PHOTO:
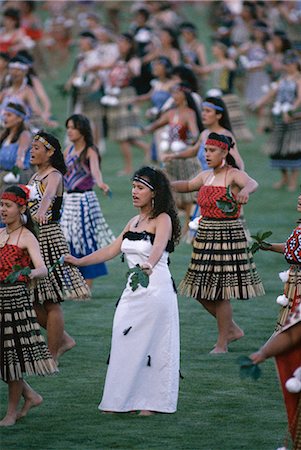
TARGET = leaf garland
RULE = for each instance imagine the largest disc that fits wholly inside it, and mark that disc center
(248, 369)
(260, 242)
(137, 277)
(228, 204)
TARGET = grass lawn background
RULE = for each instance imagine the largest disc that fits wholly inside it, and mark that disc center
(216, 410)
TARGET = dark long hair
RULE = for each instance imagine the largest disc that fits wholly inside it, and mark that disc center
(191, 104)
(57, 159)
(224, 120)
(21, 126)
(17, 190)
(82, 124)
(163, 200)
(187, 76)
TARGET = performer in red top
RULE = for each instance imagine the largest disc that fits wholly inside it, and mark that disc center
(22, 347)
(221, 265)
(284, 344)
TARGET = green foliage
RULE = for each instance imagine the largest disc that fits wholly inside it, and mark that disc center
(16, 273)
(260, 242)
(15, 170)
(247, 368)
(137, 277)
(58, 262)
(228, 205)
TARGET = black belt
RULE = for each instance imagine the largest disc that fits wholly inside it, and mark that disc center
(78, 191)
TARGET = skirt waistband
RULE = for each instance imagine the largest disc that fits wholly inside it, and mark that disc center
(78, 191)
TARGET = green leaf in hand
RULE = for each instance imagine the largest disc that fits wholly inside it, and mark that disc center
(260, 242)
(15, 274)
(247, 368)
(59, 261)
(15, 170)
(137, 277)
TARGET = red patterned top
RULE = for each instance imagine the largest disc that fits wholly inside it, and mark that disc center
(11, 255)
(207, 197)
(292, 250)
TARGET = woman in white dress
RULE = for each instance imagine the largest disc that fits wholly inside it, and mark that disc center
(143, 372)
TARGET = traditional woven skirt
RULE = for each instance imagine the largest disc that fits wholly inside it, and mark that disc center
(237, 118)
(291, 314)
(221, 265)
(123, 119)
(183, 169)
(65, 281)
(22, 347)
(85, 229)
(284, 145)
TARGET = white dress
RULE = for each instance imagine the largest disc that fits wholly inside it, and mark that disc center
(143, 371)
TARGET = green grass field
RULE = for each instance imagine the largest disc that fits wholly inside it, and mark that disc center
(216, 410)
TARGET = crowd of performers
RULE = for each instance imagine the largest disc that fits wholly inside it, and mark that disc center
(54, 239)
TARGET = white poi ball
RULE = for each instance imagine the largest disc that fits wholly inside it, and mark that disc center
(164, 146)
(293, 385)
(282, 300)
(194, 224)
(284, 276)
(177, 146)
(164, 135)
(297, 373)
(33, 191)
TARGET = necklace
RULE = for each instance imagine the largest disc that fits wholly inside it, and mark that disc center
(140, 220)
(4, 235)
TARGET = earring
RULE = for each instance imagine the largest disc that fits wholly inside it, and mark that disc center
(23, 219)
(153, 203)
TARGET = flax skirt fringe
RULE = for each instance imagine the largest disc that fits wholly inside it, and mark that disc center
(221, 265)
(291, 314)
(22, 347)
(65, 281)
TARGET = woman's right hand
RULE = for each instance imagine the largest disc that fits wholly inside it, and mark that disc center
(167, 157)
(71, 260)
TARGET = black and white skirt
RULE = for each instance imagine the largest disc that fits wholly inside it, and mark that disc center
(221, 265)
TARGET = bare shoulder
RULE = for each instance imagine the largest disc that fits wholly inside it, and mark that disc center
(27, 239)
(163, 219)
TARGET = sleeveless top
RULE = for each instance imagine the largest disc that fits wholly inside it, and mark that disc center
(292, 250)
(207, 198)
(178, 131)
(78, 176)
(287, 91)
(53, 213)
(8, 156)
(120, 75)
(11, 255)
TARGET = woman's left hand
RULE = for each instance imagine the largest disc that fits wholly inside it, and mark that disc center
(242, 197)
(147, 268)
(104, 187)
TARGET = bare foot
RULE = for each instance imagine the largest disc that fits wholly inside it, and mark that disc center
(8, 420)
(235, 334)
(146, 412)
(280, 184)
(218, 350)
(31, 401)
(67, 344)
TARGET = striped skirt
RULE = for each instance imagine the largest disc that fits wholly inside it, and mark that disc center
(291, 314)
(221, 265)
(237, 118)
(85, 229)
(183, 169)
(284, 145)
(65, 281)
(23, 350)
(123, 119)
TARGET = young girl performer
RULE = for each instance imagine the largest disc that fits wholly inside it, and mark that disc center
(143, 371)
(63, 281)
(22, 347)
(284, 344)
(221, 266)
(82, 221)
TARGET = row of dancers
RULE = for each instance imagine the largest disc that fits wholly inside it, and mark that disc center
(145, 338)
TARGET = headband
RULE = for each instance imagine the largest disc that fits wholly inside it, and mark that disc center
(213, 106)
(143, 181)
(216, 143)
(18, 65)
(15, 111)
(14, 198)
(44, 142)
(181, 88)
